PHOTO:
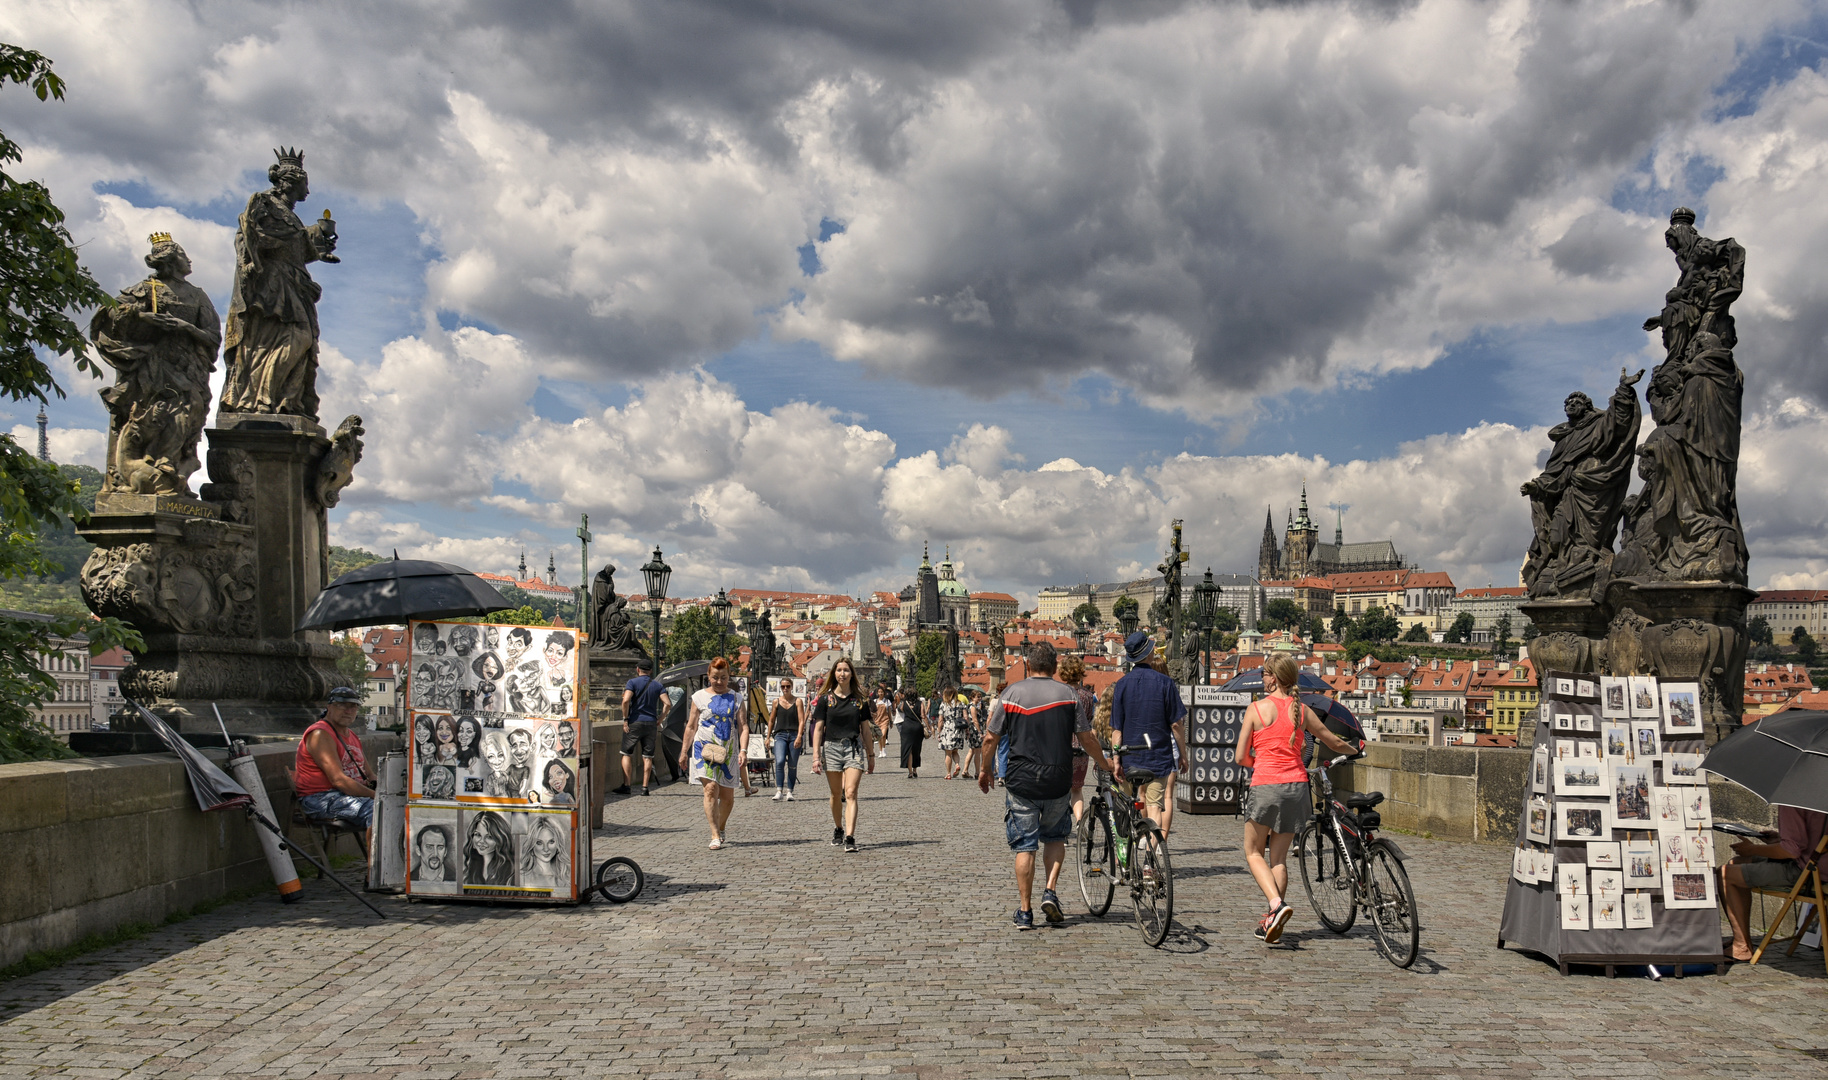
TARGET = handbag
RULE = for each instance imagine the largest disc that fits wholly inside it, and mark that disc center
(713, 753)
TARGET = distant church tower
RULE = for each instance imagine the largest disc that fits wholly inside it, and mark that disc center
(1303, 534)
(523, 565)
(1266, 551)
(44, 436)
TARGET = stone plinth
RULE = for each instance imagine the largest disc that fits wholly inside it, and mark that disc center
(609, 673)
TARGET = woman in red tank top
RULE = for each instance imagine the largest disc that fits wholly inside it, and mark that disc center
(1269, 744)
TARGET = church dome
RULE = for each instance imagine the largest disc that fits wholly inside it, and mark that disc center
(952, 587)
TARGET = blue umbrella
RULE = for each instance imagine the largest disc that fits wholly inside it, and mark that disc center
(1251, 682)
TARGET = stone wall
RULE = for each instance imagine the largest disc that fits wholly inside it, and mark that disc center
(97, 843)
(1476, 793)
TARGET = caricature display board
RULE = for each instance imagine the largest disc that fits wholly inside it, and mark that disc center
(1215, 783)
(1618, 872)
(498, 763)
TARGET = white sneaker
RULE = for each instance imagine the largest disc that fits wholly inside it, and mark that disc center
(778, 794)
(790, 796)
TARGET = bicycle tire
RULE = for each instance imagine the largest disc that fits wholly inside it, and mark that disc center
(1097, 863)
(1152, 887)
(620, 880)
(1393, 913)
(1327, 875)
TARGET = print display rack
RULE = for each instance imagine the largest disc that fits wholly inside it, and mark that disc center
(497, 763)
(1614, 856)
(1215, 783)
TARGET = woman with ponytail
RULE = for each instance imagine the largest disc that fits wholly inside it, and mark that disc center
(1279, 802)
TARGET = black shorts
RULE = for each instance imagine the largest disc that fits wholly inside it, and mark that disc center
(642, 734)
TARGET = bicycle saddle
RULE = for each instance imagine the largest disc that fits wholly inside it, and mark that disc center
(1138, 776)
(1365, 801)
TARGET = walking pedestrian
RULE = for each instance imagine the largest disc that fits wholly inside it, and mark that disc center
(841, 733)
(882, 710)
(1279, 803)
(1072, 673)
(716, 728)
(912, 730)
(1146, 711)
(1041, 718)
(953, 717)
(785, 730)
(641, 699)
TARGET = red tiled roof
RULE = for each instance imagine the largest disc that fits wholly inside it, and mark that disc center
(1428, 579)
(1792, 596)
(1491, 593)
(1004, 597)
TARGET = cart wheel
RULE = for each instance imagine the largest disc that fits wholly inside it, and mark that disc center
(620, 880)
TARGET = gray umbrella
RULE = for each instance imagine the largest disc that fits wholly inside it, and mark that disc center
(395, 590)
(1781, 758)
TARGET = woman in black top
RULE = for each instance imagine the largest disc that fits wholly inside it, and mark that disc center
(785, 737)
(911, 730)
(842, 734)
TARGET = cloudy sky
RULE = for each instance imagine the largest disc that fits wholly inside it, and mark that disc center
(787, 288)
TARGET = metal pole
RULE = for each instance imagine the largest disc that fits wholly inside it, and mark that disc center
(584, 539)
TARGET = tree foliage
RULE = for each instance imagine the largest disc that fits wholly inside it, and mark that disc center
(1758, 631)
(1418, 632)
(343, 560)
(1805, 646)
(929, 657)
(1124, 605)
(697, 635)
(1376, 626)
(1501, 636)
(1280, 614)
(352, 663)
(1087, 614)
(525, 615)
(41, 283)
(1461, 632)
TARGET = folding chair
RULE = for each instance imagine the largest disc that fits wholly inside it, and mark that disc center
(322, 828)
(1811, 877)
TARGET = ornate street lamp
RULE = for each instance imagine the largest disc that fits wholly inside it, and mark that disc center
(720, 607)
(656, 573)
(1205, 612)
(1128, 620)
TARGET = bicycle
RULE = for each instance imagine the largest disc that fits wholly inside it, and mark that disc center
(1348, 869)
(1119, 845)
(619, 880)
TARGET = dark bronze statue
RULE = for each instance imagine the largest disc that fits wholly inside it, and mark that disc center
(611, 630)
(161, 339)
(1576, 502)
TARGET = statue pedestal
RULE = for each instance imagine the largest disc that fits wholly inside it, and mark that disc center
(609, 673)
(216, 585)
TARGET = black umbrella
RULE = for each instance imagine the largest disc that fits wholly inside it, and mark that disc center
(395, 590)
(214, 789)
(1338, 719)
(1251, 682)
(1783, 759)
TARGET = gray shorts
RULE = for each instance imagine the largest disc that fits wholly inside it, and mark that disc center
(1778, 874)
(836, 757)
(1285, 808)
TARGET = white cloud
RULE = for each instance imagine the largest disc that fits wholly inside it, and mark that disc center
(68, 446)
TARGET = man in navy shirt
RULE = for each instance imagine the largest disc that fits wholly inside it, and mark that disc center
(1146, 711)
(640, 724)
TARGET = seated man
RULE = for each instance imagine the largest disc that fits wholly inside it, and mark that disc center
(330, 773)
(1767, 866)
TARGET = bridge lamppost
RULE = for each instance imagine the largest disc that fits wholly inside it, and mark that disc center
(655, 573)
(720, 607)
(1205, 613)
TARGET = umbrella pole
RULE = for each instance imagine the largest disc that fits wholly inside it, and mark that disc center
(287, 845)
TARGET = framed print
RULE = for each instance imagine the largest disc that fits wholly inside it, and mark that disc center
(1574, 911)
(1631, 788)
(1615, 741)
(1567, 749)
(1700, 848)
(1643, 867)
(1646, 740)
(1683, 769)
(1582, 776)
(1613, 703)
(1564, 688)
(1570, 879)
(1586, 748)
(1564, 721)
(1642, 690)
(1697, 809)
(1580, 821)
(1637, 911)
(1539, 769)
(1545, 864)
(1603, 855)
(1523, 864)
(1666, 808)
(1585, 723)
(1688, 889)
(1681, 709)
(1536, 820)
(1586, 689)
(434, 861)
(1609, 912)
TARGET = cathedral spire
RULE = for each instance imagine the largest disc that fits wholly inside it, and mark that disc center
(1339, 527)
(1266, 551)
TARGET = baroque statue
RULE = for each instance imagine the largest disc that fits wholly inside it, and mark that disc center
(271, 347)
(336, 468)
(611, 630)
(1577, 500)
(161, 338)
(1684, 525)
(761, 646)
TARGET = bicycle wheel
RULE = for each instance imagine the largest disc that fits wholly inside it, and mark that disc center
(620, 880)
(1393, 914)
(1152, 887)
(1097, 863)
(1331, 888)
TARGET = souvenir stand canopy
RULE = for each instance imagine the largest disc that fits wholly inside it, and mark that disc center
(498, 761)
(1614, 856)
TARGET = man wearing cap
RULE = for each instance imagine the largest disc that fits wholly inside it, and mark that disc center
(640, 725)
(330, 773)
(1146, 711)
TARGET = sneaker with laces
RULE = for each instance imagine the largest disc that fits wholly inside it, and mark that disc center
(850, 845)
(1025, 920)
(1050, 907)
(789, 794)
(1275, 921)
(778, 793)
(837, 837)
(644, 791)
(1262, 927)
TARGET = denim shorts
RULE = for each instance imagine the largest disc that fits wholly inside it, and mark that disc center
(334, 804)
(841, 755)
(1029, 823)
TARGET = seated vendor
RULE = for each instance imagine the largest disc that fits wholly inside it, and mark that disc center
(1767, 866)
(330, 773)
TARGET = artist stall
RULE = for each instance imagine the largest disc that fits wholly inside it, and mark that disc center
(1614, 856)
(1215, 783)
(497, 763)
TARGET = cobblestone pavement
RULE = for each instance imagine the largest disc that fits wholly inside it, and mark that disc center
(783, 956)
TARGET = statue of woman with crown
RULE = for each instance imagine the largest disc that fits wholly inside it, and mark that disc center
(271, 345)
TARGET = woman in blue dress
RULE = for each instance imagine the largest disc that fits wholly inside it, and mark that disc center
(717, 726)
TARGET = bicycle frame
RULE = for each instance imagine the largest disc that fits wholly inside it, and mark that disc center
(1351, 846)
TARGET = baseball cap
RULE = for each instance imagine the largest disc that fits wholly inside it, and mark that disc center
(344, 695)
